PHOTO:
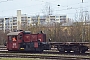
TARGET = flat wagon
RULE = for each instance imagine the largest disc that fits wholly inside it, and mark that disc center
(77, 47)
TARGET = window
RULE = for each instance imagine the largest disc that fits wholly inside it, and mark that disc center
(57, 16)
(9, 38)
(14, 38)
(20, 37)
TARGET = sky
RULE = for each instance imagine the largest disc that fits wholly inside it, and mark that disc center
(71, 8)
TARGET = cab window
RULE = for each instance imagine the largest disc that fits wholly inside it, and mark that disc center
(10, 38)
(20, 37)
(14, 38)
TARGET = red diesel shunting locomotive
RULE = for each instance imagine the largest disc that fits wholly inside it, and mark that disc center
(26, 41)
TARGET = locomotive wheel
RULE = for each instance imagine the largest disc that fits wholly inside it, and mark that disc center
(40, 50)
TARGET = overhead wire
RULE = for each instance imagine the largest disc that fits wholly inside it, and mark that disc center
(60, 6)
(74, 4)
(68, 8)
(72, 8)
(41, 1)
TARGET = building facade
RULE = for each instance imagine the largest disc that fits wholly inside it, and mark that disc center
(58, 18)
(22, 21)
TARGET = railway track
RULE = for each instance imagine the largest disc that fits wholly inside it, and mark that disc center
(48, 54)
(52, 51)
(43, 56)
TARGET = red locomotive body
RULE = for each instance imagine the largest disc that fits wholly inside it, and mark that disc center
(25, 41)
(14, 40)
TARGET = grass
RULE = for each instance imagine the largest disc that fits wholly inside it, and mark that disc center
(19, 59)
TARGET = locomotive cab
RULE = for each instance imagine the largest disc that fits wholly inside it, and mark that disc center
(14, 38)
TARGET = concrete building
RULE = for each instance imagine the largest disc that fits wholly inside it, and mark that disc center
(16, 22)
(8, 24)
(57, 18)
(12, 24)
(22, 21)
(1, 24)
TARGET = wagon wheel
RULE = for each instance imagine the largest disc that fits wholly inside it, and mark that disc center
(68, 51)
(83, 49)
(76, 49)
(61, 49)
